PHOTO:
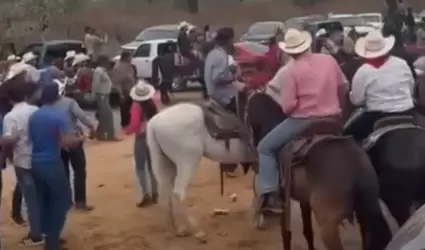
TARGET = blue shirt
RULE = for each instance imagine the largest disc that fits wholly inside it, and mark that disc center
(45, 127)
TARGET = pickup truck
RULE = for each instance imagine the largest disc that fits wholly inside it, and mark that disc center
(144, 52)
(49, 50)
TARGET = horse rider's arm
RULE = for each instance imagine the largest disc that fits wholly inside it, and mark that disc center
(358, 87)
(288, 95)
(221, 73)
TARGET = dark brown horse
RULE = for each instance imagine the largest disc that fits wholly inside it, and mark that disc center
(334, 180)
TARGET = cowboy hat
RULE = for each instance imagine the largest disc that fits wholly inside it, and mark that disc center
(29, 56)
(70, 54)
(374, 45)
(296, 41)
(183, 24)
(142, 91)
(16, 69)
(79, 58)
(12, 57)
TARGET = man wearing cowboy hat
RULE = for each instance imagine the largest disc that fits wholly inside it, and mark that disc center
(383, 85)
(30, 59)
(68, 60)
(310, 89)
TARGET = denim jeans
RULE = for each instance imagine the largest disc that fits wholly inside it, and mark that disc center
(270, 145)
(105, 116)
(54, 197)
(17, 202)
(75, 157)
(25, 178)
(143, 167)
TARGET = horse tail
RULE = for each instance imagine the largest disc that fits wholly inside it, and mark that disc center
(162, 168)
(374, 228)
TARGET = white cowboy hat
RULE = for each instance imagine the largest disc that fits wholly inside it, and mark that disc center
(296, 41)
(12, 57)
(70, 54)
(321, 32)
(374, 45)
(79, 58)
(29, 56)
(16, 69)
(143, 91)
(182, 24)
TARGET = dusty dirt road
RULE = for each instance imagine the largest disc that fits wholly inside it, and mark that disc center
(117, 224)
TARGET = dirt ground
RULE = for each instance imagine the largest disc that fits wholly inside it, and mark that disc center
(117, 224)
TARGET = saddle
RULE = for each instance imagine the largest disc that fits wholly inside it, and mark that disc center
(386, 125)
(180, 60)
(223, 124)
(321, 130)
(295, 152)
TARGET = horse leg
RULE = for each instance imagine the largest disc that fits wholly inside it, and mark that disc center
(307, 224)
(164, 171)
(329, 214)
(186, 224)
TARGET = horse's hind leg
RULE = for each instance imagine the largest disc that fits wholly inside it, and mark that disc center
(329, 215)
(307, 224)
(185, 170)
(164, 172)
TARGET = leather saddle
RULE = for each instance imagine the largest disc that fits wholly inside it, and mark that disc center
(323, 129)
(180, 60)
(386, 125)
(223, 124)
(393, 120)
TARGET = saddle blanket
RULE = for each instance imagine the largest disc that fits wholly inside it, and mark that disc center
(371, 140)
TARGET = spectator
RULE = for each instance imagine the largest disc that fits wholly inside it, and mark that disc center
(48, 132)
(101, 88)
(124, 79)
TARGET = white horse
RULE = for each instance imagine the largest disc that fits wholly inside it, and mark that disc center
(178, 138)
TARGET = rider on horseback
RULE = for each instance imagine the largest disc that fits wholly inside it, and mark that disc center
(310, 90)
(383, 84)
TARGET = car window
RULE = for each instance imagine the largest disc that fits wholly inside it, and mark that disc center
(144, 50)
(153, 34)
(163, 47)
(59, 51)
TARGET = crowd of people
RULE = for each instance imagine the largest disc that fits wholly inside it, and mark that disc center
(42, 136)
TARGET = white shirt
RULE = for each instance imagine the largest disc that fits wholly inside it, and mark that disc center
(386, 89)
(15, 123)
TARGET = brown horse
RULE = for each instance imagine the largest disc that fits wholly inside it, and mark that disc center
(332, 177)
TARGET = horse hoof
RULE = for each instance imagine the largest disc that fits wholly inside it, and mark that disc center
(259, 222)
(183, 232)
(201, 236)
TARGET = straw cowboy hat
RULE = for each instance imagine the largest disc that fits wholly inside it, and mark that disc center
(17, 69)
(29, 56)
(374, 45)
(142, 91)
(296, 41)
(183, 24)
(70, 54)
(79, 58)
(12, 58)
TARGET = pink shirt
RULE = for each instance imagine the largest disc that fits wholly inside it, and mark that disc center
(310, 86)
(136, 124)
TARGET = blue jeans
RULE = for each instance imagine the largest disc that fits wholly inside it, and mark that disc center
(17, 203)
(270, 145)
(143, 166)
(54, 196)
(25, 178)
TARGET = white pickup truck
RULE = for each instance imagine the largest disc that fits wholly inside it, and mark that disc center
(143, 54)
